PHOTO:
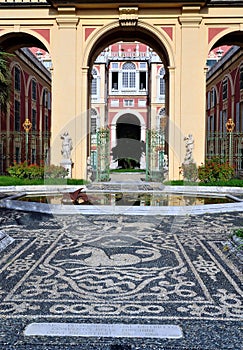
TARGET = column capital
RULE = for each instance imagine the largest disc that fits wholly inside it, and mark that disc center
(190, 17)
(67, 17)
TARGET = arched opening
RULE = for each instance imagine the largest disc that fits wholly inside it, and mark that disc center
(25, 125)
(224, 92)
(128, 150)
(135, 81)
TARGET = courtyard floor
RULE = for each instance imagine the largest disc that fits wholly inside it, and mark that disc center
(153, 270)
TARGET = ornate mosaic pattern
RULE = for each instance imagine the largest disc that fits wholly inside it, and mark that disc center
(119, 267)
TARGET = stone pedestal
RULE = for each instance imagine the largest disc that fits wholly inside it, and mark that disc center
(67, 164)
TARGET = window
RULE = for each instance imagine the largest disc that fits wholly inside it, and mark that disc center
(162, 81)
(142, 80)
(17, 79)
(49, 100)
(213, 98)
(33, 120)
(211, 123)
(34, 94)
(94, 82)
(225, 89)
(33, 156)
(93, 122)
(142, 103)
(93, 126)
(129, 75)
(241, 77)
(128, 103)
(223, 120)
(241, 117)
(208, 99)
(16, 115)
(143, 65)
(114, 103)
(46, 123)
(114, 65)
(17, 155)
(114, 80)
(45, 99)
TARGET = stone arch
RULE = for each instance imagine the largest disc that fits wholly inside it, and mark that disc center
(11, 40)
(229, 36)
(128, 140)
(143, 32)
(129, 111)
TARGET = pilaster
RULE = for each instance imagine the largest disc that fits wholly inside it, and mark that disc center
(64, 81)
(192, 81)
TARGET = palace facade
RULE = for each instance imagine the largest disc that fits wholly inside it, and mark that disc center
(224, 109)
(128, 83)
(25, 128)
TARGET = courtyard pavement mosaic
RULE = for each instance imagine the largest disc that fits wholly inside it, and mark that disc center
(120, 269)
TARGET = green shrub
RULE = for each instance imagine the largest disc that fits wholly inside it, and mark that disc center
(189, 171)
(55, 172)
(25, 171)
(33, 171)
(215, 170)
(238, 232)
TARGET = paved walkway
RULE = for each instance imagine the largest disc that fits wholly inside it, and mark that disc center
(120, 269)
(128, 177)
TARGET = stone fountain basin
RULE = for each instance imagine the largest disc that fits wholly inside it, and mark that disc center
(15, 192)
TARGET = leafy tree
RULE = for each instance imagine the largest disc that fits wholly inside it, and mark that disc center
(5, 80)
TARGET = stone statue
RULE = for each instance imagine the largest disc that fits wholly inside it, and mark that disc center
(90, 171)
(189, 147)
(67, 145)
(189, 167)
(165, 166)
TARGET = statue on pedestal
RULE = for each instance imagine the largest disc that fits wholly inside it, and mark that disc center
(189, 167)
(67, 145)
(189, 147)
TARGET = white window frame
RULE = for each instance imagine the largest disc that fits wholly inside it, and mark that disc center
(128, 103)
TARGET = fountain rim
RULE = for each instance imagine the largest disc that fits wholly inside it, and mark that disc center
(10, 202)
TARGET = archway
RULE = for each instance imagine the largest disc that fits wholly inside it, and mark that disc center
(224, 89)
(129, 148)
(25, 126)
(132, 78)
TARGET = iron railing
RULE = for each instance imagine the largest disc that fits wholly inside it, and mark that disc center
(226, 146)
(9, 141)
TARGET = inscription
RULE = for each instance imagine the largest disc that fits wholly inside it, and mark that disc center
(103, 330)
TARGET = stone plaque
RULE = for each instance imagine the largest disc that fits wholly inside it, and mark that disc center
(103, 330)
(5, 240)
